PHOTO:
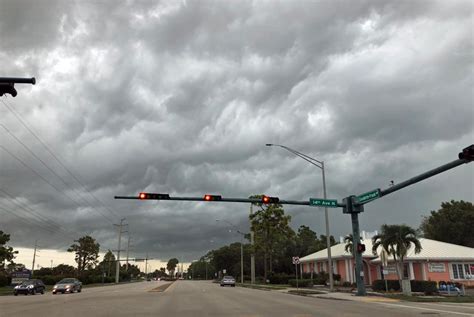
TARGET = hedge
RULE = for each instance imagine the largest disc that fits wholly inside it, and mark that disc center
(280, 278)
(428, 287)
(4, 280)
(301, 283)
(379, 285)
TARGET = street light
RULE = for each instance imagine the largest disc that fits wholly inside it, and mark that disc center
(241, 249)
(320, 165)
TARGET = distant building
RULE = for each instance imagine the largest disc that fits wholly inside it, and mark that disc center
(437, 261)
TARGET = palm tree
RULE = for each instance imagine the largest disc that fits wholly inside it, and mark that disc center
(397, 240)
(349, 244)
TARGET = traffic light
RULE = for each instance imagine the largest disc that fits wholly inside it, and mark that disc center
(360, 247)
(145, 196)
(270, 200)
(212, 197)
(7, 88)
(467, 153)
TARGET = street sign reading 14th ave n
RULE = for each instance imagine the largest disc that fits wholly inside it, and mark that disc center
(323, 202)
(364, 198)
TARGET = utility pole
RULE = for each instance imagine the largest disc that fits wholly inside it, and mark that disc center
(34, 258)
(51, 264)
(252, 256)
(128, 249)
(117, 267)
(146, 266)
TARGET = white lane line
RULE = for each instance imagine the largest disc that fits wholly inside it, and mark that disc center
(422, 308)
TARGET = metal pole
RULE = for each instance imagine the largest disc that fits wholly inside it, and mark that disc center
(357, 255)
(146, 266)
(328, 239)
(117, 266)
(34, 258)
(252, 256)
(128, 249)
(296, 273)
(242, 261)
(206, 270)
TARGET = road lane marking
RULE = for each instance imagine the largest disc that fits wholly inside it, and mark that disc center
(423, 308)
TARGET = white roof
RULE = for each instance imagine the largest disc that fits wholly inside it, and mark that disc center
(431, 250)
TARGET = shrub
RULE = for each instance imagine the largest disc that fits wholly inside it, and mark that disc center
(3, 280)
(428, 287)
(346, 284)
(301, 283)
(379, 285)
(280, 278)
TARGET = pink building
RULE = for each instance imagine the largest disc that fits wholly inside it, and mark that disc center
(437, 261)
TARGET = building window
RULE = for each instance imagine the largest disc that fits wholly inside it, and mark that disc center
(461, 271)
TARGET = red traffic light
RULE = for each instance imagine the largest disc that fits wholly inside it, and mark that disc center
(270, 200)
(153, 196)
(360, 247)
(212, 197)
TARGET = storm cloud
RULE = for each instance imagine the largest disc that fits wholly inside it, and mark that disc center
(181, 98)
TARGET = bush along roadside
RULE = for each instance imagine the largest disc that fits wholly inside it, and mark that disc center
(301, 283)
(427, 287)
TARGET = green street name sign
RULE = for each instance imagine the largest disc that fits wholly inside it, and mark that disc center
(323, 202)
(369, 196)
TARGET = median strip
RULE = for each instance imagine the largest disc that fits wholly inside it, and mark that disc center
(160, 288)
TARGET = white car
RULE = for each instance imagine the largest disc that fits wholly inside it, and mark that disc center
(228, 280)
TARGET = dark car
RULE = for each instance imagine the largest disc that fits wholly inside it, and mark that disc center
(67, 285)
(29, 287)
(228, 280)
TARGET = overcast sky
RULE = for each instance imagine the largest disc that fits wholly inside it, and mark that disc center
(181, 98)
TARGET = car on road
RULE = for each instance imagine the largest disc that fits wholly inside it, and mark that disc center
(29, 287)
(228, 280)
(67, 285)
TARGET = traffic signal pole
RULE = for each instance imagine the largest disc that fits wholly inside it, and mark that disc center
(352, 205)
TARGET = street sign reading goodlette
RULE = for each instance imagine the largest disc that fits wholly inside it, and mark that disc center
(369, 196)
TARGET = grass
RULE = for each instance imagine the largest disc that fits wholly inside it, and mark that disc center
(442, 299)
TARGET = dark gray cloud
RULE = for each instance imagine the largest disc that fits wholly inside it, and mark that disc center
(180, 97)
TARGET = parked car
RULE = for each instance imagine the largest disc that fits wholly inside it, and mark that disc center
(228, 280)
(29, 287)
(68, 285)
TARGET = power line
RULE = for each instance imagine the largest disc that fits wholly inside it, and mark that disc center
(46, 181)
(44, 163)
(56, 157)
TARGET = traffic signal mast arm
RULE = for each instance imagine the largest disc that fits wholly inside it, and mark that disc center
(222, 199)
(7, 84)
(467, 155)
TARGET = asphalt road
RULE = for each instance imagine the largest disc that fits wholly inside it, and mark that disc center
(192, 298)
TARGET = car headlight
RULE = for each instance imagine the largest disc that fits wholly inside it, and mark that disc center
(17, 287)
(55, 286)
(30, 286)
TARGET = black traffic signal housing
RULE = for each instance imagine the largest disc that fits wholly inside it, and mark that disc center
(467, 153)
(212, 197)
(153, 196)
(360, 247)
(7, 88)
(270, 200)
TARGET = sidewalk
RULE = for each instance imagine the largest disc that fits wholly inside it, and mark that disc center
(326, 294)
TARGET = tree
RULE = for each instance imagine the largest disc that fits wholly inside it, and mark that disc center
(348, 240)
(397, 240)
(271, 226)
(64, 270)
(108, 263)
(171, 266)
(14, 267)
(6, 253)
(452, 223)
(87, 252)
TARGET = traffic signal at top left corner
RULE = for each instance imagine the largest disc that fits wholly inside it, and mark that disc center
(150, 196)
(467, 153)
(270, 200)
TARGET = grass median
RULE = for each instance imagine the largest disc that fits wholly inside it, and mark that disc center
(268, 287)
